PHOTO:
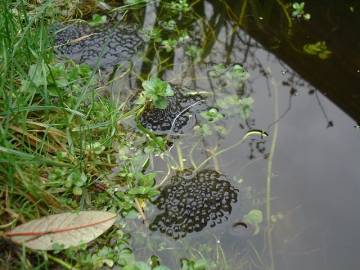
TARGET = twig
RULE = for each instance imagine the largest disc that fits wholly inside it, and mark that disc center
(269, 176)
(283, 7)
(191, 154)
(242, 12)
(180, 156)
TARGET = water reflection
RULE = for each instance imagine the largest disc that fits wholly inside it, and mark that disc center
(313, 190)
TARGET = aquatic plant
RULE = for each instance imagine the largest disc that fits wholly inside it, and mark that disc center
(299, 12)
(156, 91)
(318, 49)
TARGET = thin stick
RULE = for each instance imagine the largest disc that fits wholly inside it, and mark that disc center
(269, 177)
(180, 156)
(191, 157)
(242, 12)
(283, 7)
(166, 176)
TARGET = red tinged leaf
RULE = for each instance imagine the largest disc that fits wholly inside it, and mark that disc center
(66, 229)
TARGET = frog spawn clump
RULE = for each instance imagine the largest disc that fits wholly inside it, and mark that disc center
(176, 114)
(104, 46)
(191, 202)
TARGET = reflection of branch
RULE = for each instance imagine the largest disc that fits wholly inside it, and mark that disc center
(249, 133)
(283, 7)
(282, 115)
(242, 13)
(191, 154)
(329, 122)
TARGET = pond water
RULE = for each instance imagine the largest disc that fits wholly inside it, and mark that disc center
(303, 177)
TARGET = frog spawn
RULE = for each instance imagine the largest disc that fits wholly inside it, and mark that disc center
(103, 47)
(190, 203)
(175, 116)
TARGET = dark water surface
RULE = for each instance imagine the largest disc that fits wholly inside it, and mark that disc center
(306, 180)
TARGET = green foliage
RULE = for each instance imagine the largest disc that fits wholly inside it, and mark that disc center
(97, 148)
(168, 25)
(169, 44)
(51, 79)
(245, 105)
(156, 91)
(234, 105)
(234, 72)
(100, 164)
(254, 218)
(180, 6)
(212, 115)
(187, 264)
(135, 2)
(298, 11)
(194, 53)
(319, 49)
(234, 75)
(97, 20)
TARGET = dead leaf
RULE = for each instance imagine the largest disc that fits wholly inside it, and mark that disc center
(66, 229)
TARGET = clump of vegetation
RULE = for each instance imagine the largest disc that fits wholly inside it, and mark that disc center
(64, 146)
(156, 91)
(298, 11)
(318, 49)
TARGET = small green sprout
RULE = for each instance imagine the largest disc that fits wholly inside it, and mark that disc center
(319, 49)
(76, 180)
(180, 6)
(298, 11)
(97, 20)
(156, 91)
(255, 218)
(169, 44)
(212, 115)
(96, 148)
(194, 52)
(246, 105)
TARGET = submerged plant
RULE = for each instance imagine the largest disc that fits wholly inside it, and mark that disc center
(298, 11)
(254, 218)
(98, 20)
(319, 49)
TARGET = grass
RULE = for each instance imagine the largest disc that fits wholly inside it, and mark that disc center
(63, 147)
(56, 138)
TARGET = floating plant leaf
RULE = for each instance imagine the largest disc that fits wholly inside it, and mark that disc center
(157, 91)
(246, 107)
(97, 20)
(65, 230)
(255, 218)
(319, 48)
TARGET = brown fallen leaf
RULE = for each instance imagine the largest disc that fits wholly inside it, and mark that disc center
(66, 229)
